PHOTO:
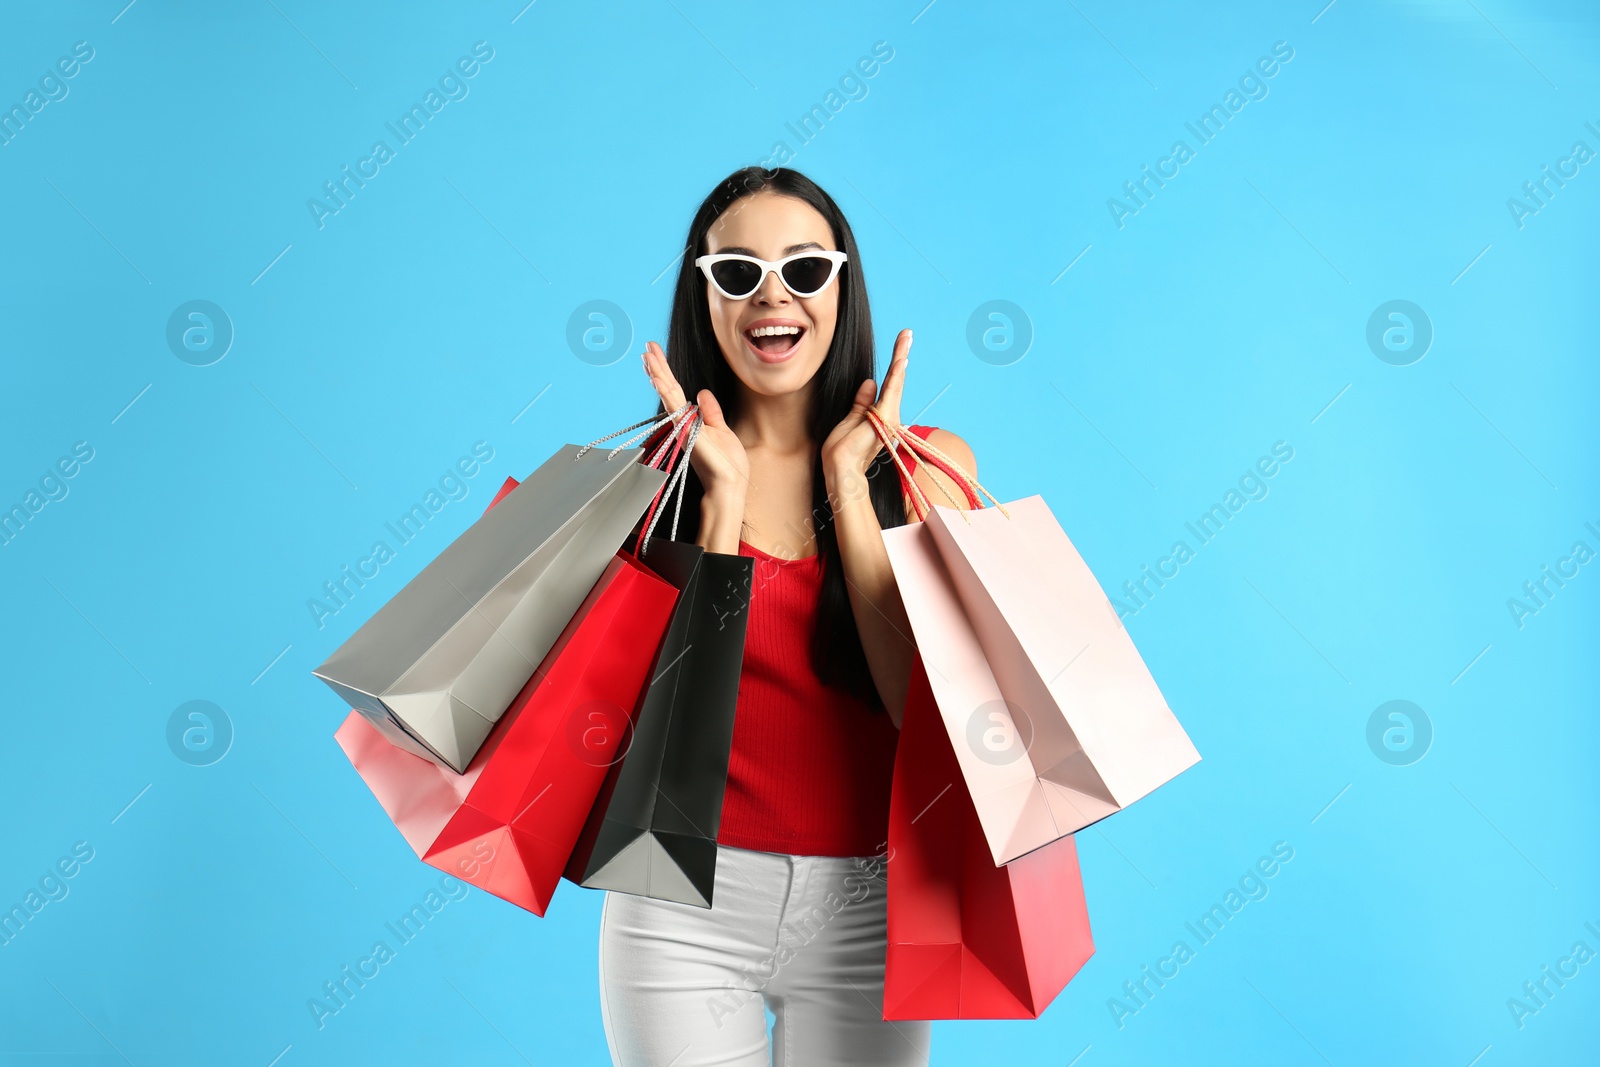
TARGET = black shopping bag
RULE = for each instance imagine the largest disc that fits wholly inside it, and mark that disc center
(653, 830)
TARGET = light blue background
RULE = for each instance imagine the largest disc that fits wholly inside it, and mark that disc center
(1227, 314)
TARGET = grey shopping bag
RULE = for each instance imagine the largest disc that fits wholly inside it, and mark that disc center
(437, 665)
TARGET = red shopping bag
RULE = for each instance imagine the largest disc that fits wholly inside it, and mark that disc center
(968, 939)
(509, 823)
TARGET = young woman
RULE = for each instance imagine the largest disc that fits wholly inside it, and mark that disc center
(772, 338)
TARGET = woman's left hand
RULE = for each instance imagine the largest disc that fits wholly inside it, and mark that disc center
(851, 447)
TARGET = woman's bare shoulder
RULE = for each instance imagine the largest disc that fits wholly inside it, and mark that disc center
(938, 487)
(954, 446)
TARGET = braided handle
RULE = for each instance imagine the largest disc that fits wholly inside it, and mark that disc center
(935, 457)
(945, 464)
(654, 422)
(919, 502)
(932, 453)
(683, 440)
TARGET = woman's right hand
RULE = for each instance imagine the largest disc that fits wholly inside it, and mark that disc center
(719, 457)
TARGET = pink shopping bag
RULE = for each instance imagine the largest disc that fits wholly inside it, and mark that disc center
(1055, 720)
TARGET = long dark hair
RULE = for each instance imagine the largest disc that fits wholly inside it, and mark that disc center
(697, 362)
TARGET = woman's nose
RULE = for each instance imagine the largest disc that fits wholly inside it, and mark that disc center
(772, 290)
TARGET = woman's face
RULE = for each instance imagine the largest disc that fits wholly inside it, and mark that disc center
(771, 226)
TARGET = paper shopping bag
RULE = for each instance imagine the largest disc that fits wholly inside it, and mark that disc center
(969, 939)
(653, 831)
(435, 667)
(509, 823)
(1053, 716)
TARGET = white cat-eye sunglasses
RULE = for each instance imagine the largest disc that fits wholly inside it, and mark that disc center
(804, 274)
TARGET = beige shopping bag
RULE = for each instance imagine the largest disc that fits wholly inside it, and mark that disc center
(1055, 720)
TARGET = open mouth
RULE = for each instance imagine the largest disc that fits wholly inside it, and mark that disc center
(774, 343)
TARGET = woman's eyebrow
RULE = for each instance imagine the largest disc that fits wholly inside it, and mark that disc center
(743, 251)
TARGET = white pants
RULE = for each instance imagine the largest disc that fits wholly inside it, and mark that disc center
(805, 935)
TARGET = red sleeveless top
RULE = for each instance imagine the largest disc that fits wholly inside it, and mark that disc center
(810, 766)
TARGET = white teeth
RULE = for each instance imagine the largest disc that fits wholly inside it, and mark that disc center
(774, 331)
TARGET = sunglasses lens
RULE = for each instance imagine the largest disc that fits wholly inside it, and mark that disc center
(736, 276)
(808, 275)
